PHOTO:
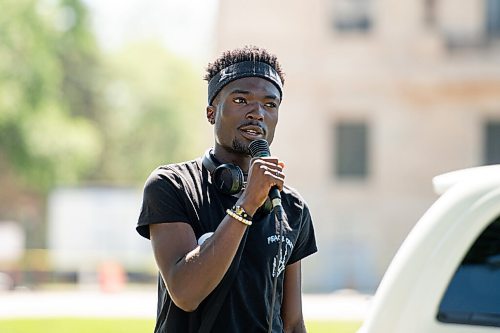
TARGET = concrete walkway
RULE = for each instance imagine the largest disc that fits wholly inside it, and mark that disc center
(142, 304)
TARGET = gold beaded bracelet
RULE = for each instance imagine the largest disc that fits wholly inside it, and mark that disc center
(236, 216)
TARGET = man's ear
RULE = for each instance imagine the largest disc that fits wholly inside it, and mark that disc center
(211, 114)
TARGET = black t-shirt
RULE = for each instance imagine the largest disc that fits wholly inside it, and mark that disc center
(183, 193)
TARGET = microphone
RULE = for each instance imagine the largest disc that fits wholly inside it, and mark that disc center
(260, 148)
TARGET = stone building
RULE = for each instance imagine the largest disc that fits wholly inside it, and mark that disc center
(380, 96)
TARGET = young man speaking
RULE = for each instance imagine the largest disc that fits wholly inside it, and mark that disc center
(210, 220)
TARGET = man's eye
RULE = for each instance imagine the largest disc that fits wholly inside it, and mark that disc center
(271, 105)
(239, 100)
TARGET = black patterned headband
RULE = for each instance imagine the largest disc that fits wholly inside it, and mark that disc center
(240, 70)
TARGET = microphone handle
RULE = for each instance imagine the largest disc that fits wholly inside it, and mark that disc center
(275, 196)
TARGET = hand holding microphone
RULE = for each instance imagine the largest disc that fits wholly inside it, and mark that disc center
(259, 149)
(265, 179)
(265, 172)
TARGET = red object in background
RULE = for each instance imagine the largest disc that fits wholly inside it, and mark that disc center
(112, 277)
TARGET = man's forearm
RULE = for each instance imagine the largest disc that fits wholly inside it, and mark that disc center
(197, 274)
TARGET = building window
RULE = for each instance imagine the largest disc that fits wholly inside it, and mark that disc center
(351, 150)
(352, 15)
(492, 142)
(430, 13)
(473, 296)
(493, 18)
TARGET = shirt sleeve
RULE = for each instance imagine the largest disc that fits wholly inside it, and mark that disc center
(306, 240)
(162, 201)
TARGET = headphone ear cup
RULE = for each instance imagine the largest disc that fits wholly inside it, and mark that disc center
(228, 178)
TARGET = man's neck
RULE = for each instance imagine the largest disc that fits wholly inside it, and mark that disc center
(225, 156)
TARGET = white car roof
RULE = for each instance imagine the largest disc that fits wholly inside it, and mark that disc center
(444, 182)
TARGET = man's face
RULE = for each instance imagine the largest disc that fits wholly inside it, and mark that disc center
(245, 110)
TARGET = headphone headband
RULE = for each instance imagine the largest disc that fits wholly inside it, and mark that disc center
(208, 161)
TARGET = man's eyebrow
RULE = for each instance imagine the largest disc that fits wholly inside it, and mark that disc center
(272, 97)
(239, 91)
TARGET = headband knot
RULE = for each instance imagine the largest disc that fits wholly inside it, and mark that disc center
(240, 70)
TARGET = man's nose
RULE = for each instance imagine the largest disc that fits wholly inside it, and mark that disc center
(256, 111)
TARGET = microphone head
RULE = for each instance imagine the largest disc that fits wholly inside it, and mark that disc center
(259, 148)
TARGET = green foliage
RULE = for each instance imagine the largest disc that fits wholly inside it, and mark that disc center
(43, 137)
(70, 114)
(154, 115)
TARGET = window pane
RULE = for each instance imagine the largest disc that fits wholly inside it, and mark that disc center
(473, 295)
(492, 143)
(352, 15)
(430, 13)
(351, 158)
(493, 18)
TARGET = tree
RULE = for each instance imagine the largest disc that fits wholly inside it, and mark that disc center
(46, 136)
(155, 113)
(70, 114)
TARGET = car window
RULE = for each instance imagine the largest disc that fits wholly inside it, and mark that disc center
(473, 295)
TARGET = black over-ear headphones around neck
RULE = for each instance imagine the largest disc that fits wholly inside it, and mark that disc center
(228, 178)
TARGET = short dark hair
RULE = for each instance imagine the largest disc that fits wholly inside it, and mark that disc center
(246, 53)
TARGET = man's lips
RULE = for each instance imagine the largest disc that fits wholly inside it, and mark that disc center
(252, 131)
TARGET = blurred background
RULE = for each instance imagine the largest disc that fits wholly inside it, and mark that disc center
(380, 96)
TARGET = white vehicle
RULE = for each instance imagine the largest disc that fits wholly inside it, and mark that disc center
(445, 278)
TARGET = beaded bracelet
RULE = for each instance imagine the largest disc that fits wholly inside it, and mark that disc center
(238, 213)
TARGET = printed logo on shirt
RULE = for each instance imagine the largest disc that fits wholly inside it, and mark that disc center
(286, 248)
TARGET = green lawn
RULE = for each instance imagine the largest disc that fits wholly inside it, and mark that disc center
(332, 326)
(80, 325)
